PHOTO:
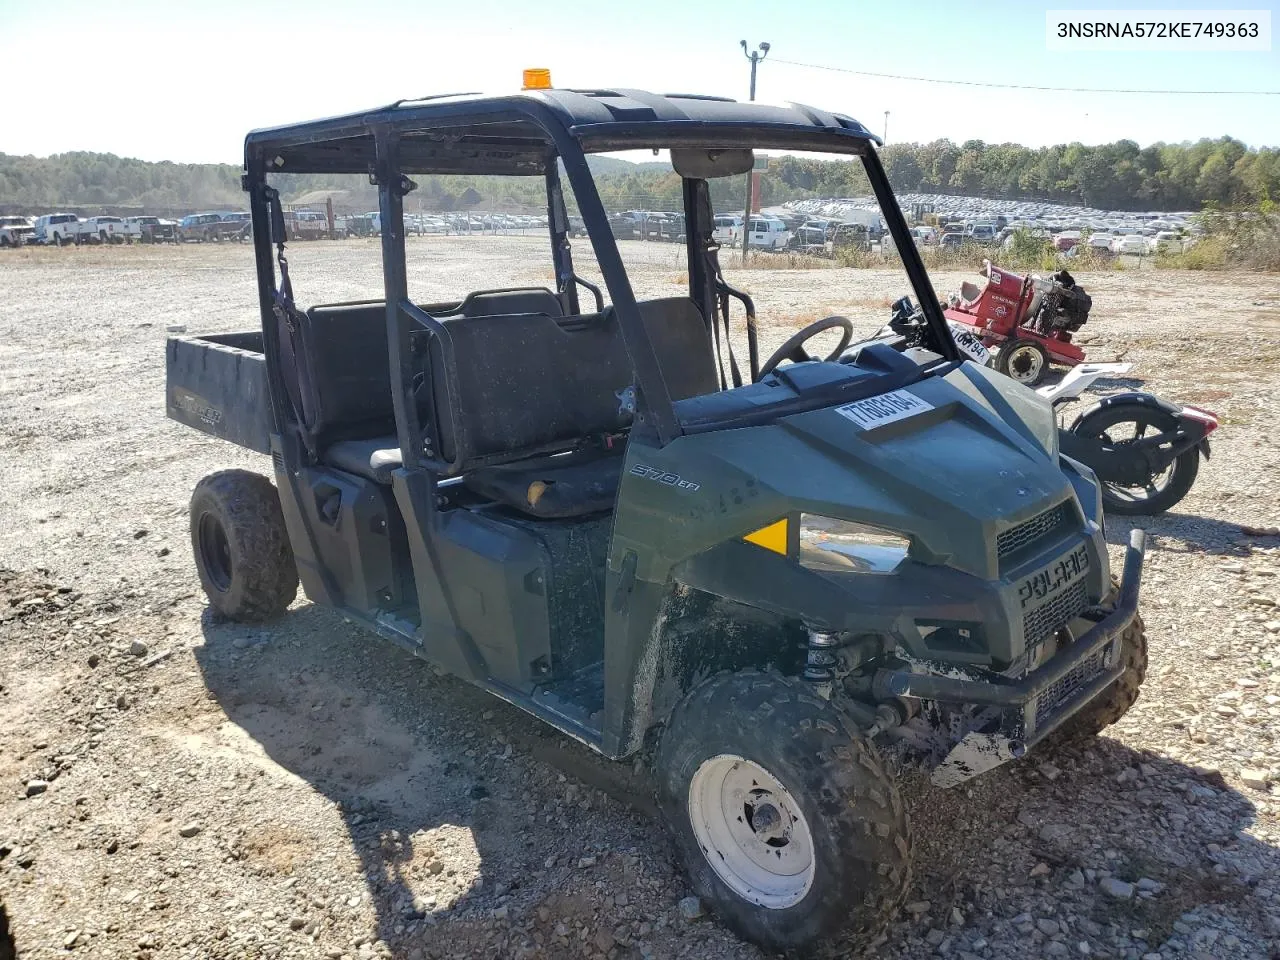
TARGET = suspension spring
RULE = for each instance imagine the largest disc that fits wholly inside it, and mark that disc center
(819, 668)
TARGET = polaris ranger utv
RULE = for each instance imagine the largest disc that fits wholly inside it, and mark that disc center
(766, 585)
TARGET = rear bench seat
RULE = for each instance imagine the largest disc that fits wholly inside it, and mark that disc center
(525, 383)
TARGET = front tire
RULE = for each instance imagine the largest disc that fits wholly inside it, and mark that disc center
(1115, 701)
(241, 546)
(1023, 360)
(788, 825)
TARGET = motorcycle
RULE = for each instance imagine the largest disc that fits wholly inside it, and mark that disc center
(1145, 450)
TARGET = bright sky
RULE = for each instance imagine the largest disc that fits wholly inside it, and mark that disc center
(185, 81)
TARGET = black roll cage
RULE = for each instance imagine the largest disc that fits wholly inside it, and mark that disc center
(490, 135)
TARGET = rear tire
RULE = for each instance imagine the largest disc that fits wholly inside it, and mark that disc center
(1121, 500)
(1023, 360)
(788, 825)
(241, 546)
(1115, 701)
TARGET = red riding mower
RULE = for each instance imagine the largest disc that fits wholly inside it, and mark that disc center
(1029, 319)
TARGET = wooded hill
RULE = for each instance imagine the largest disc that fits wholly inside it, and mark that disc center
(1120, 176)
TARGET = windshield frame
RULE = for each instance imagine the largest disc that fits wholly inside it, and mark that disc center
(524, 135)
(762, 136)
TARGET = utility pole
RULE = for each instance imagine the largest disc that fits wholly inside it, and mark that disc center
(886, 127)
(755, 56)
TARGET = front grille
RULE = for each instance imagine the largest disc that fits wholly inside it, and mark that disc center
(1030, 532)
(1060, 692)
(1040, 624)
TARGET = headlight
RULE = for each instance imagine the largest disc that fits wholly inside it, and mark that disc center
(843, 546)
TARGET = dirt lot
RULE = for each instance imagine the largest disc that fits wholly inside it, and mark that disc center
(175, 786)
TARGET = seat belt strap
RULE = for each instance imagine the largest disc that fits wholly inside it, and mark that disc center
(297, 377)
(722, 286)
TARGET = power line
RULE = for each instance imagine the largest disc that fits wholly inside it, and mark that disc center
(1026, 86)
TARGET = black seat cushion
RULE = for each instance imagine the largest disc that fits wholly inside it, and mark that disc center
(566, 485)
(569, 485)
(375, 459)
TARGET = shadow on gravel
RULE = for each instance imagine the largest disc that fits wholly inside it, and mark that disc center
(400, 751)
(1068, 818)
(1176, 532)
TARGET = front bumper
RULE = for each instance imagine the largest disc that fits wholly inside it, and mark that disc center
(1028, 709)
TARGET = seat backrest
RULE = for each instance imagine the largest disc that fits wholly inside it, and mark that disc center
(683, 345)
(346, 387)
(345, 381)
(528, 383)
(488, 303)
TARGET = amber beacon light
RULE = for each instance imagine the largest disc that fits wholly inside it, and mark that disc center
(537, 78)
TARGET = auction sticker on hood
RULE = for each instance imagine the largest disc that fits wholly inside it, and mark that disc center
(886, 408)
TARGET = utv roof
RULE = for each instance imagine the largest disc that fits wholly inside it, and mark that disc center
(518, 133)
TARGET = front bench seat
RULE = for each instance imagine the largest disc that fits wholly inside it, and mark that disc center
(527, 383)
(374, 459)
(565, 485)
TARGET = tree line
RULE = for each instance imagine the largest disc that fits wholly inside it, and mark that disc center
(1120, 176)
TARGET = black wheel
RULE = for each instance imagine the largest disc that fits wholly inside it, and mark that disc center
(1024, 361)
(1115, 701)
(1158, 492)
(241, 546)
(788, 825)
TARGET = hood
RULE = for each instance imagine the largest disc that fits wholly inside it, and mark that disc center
(963, 467)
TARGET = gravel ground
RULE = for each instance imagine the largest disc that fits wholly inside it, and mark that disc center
(175, 786)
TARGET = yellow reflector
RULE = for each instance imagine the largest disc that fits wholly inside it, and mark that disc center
(773, 537)
(537, 78)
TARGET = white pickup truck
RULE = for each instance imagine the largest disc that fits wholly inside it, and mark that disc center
(57, 228)
(15, 231)
(102, 230)
(60, 228)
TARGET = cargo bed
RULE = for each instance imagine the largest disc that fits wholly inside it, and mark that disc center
(218, 385)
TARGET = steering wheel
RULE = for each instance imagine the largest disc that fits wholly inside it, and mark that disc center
(794, 351)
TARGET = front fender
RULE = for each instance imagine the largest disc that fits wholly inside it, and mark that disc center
(1143, 399)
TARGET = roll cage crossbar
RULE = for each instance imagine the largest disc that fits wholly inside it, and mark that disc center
(527, 134)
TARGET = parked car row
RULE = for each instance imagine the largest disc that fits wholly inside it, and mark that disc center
(1099, 242)
(58, 229)
(823, 237)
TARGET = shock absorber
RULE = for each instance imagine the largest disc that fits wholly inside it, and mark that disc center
(819, 668)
